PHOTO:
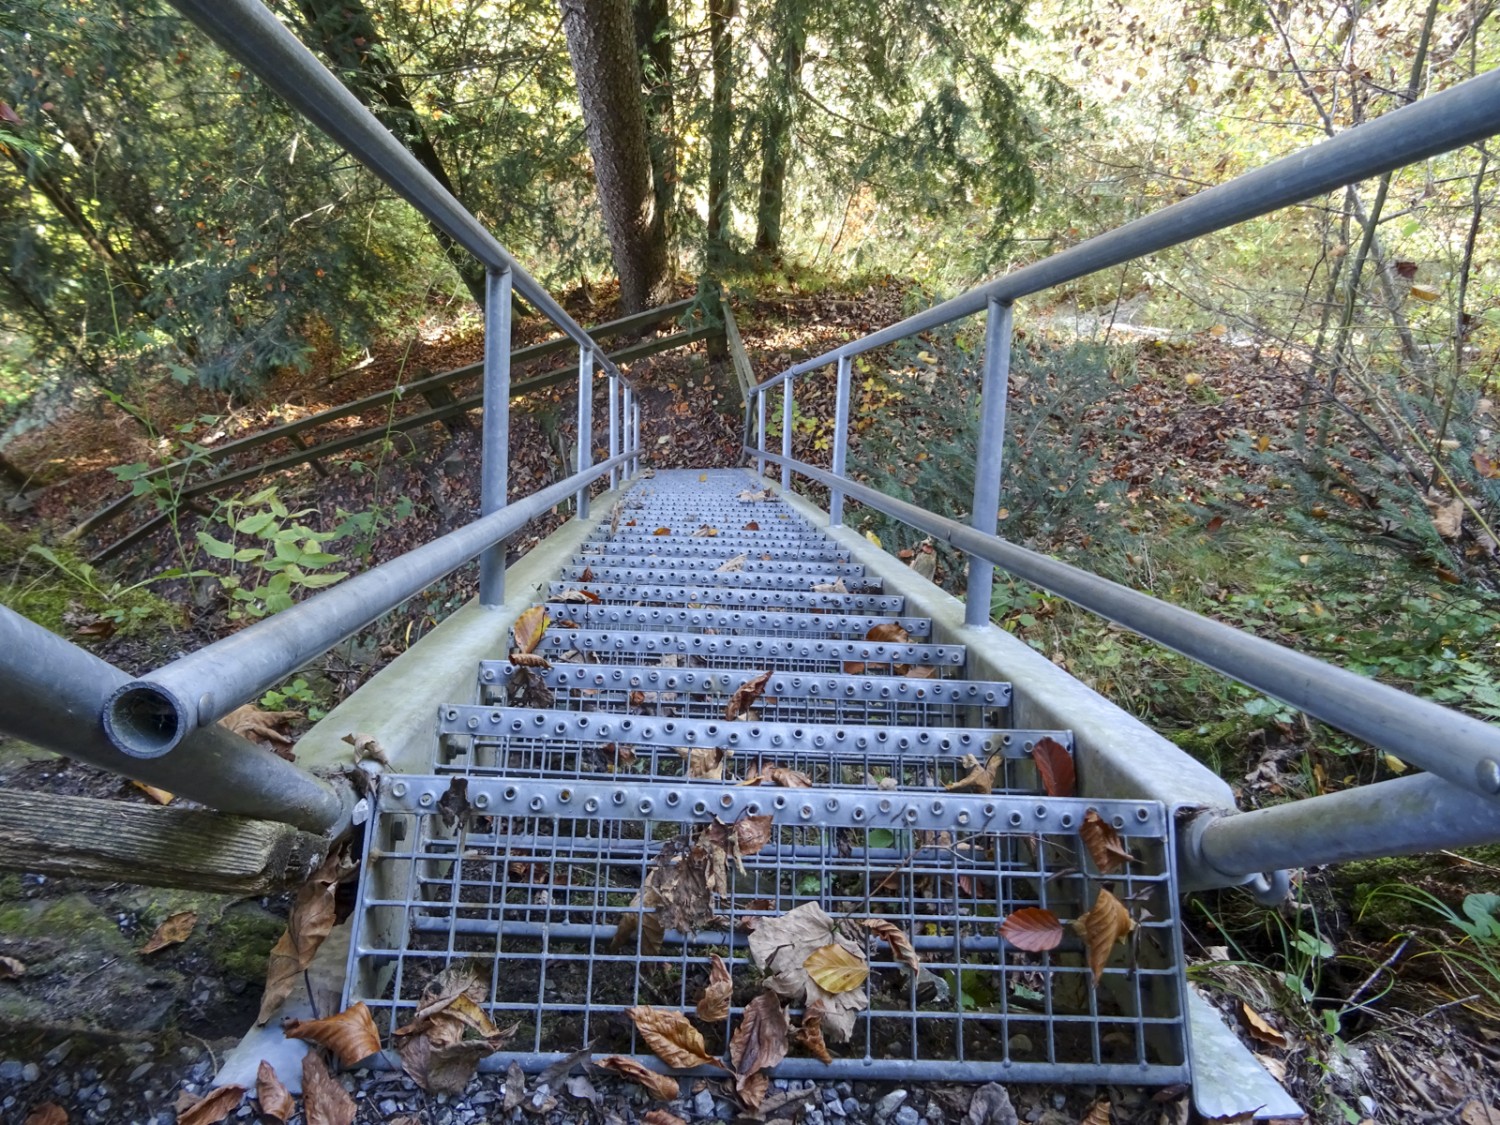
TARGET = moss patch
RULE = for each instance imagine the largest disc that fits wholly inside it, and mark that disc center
(241, 941)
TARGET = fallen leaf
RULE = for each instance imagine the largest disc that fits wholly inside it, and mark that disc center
(889, 633)
(1479, 1113)
(1103, 842)
(731, 566)
(753, 1088)
(754, 495)
(250, 721)
(752, 833)
(11, 969)
(275, 1100)
(779, 775)
(515, 1086)
(529, 628)
(662, 531)
(1424, 293)
(533, 660)
(705, 532)
(213, 1107)
(309, 923)
(746, 694)
(990, 1106)
(810, 1034)
(783, 945)
(705, 762)
(1259, 1028)
(671, 1037)
(854, 668)
(835, 587)
(324, 1100)
(759, 1042)
(365, 746)
(350, 1034)
(713, 1005)
(677, 895)
(1448, 520)
(577, 597)
(1054, 765)
(663, 1087)
(1098, 1114)
(1033, 929)
(662, 1117)
(454, 805)
(752, 526)
(173, 930)
(48, 1113)
(979, 779)
(1101, 928)
(873, 538)
(587, 575)
(160, 796)
(835, 969)
(894, 936)
(581, 1088)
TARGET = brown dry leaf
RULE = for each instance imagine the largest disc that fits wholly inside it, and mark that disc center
(1259, 1028)
(713, 1005)
(309, 924)
(617, 757)
(349, 1034)
(1098, 1114)
(979, 779)
(454, 805)
(1054, 765)
(529, 629)
(365, 746)
(751, 834)
(11, 969)
(755, 495)
(889, 633)
(324, 1101)
(1033, 929)
(783, 945)
(1101, 928)
(663, 1087)
(916, 671)
(678, 895)
(174, 930)
(759, 1042)
(732, 566)
(810, 1034)
(753, 1088)
(662, 1117)
(752, 526)
(48, 1113)
(213, 1107)
(834, 969)
(271, 1092)
(854, 668)
(705, 532)
(577, 597)
(1478, 1113)
(895, 937)
(779, 775)
(160, 796)
(250, 721)
(588, 573)
(1103, 842)
(705, 762)
(990, 1106)
(835, 587)
(1448, 520)
(662, 531)
(745, 695)
(671, 1037)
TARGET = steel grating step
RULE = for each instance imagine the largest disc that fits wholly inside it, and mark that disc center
(663, 573)
(753, 652)
(536, 885)
(741, 622)
(709, 595)
(703, 549)
(798, 568)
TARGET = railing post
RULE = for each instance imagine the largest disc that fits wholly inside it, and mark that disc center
(626, 399)
(614, 427)
(840, 440)
(635, 429)
(786, 435)
(494, 472)
(585, 425)
(990, 455)
(760, 441)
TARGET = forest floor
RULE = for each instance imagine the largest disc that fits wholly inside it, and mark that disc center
(112, 1035)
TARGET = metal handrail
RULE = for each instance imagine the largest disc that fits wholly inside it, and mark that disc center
(1462, 754)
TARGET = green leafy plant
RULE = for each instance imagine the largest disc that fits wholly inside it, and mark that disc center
(295, 693)
(1472, 963)
(121, 604)
(272, 554)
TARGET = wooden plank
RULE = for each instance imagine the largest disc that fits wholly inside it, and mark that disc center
(635, 322)
(737, 357)
(111, 841)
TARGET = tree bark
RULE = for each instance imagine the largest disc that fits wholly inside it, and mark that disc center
(720, 127)
(654, 42)
(776, 125)
(602, 46)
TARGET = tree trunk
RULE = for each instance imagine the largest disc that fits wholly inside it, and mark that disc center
(601, 43)
(776, 125)
(654, 42)
(720, 127)
(346, 32)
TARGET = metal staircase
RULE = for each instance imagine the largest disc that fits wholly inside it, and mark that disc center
(560, 797)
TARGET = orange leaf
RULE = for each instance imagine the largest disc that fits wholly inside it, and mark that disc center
(752, 526)
(160, 796)
(751, 834)
(275, 1100)
(779, 775)
(662, 531)
(587, 575)
(889, 633)
(1103, 842)
(1101, 928)
(48, 1113)
(214, 1107)
(310, 923)
(834, 969)
(529, 628)
(173, 930)
(759, 1043)
(324, 1101)
(854, 668)
(349, 1034)
(1033, 929)
(661, 1086)
(662, 1117)
(745, 695)
(1054, 765)
(979, 779)
(894, 936)
(671, 1037)
(713, 1005)
(1098, 1114)
(1259, 1028)
(810, 1034)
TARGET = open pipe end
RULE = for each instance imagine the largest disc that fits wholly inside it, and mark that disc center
(144, 720)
